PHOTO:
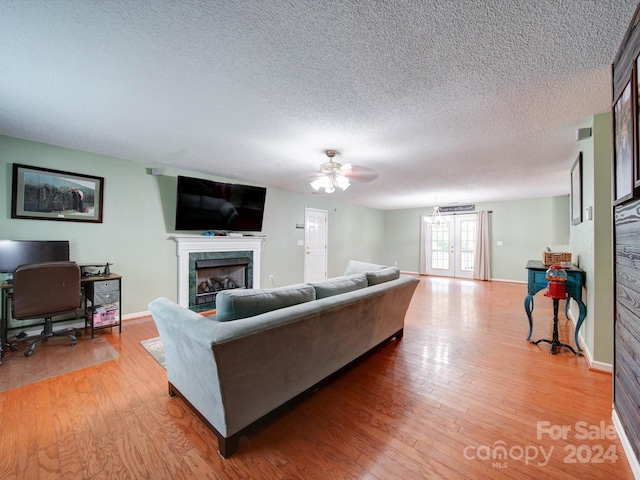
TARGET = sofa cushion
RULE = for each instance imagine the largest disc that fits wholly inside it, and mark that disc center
(354, 266)
(338, 285)
(236, 304)
(383, 275)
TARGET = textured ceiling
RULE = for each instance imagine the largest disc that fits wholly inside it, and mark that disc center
(455, 100)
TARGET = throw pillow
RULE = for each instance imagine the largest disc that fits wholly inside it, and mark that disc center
(236, 304)
(338, 285)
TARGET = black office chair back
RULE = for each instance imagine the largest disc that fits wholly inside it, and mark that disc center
(42, 290)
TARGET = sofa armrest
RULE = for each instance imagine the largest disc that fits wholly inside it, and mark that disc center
(191, 367)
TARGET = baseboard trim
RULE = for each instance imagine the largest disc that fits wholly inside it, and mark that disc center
(136, 315)
(592, 364)
(600, 366)
(506, 280)
(626, 445)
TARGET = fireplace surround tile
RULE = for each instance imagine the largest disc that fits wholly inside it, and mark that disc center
(195, 256)
(186, 245)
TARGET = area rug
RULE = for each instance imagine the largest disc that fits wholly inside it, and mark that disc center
(52, 358)
(154, 347)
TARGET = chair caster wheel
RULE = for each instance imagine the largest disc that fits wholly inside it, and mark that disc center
(13, 348)
(73, 342)
(28, 353)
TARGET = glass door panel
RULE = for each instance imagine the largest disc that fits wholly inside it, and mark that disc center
(450, 246)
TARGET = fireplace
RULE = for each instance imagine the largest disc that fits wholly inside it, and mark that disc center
(214, 275)
(195, 251)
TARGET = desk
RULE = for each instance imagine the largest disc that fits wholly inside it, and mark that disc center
(91, 288)
(537, 281)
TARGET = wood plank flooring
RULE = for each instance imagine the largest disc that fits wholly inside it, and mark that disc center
(462, 396)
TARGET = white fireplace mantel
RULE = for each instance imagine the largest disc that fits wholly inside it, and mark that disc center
(187, 244)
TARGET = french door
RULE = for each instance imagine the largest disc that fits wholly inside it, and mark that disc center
(450, 246)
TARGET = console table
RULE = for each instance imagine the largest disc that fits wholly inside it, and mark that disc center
(537, 281)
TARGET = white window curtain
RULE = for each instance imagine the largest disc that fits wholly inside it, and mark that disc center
(482, 261)
(423, 245)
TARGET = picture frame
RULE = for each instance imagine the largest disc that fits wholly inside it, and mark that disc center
(636, 167)
(46, 194)
(623, 178)
(576, 191)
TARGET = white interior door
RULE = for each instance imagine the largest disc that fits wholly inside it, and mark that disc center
(315, 240)
(450, 246)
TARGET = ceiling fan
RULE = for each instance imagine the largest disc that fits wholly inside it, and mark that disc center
(332, 174)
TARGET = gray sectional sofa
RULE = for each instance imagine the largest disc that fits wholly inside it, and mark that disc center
(264, 348)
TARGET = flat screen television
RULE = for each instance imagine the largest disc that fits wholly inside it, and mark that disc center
(19, 252)
(209, 205)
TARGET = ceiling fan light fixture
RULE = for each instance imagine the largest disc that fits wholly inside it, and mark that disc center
(343, 182)
(317, 184)
(331, 175)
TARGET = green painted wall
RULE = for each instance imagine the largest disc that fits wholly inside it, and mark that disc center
(525, 228)
(138, 223)
(591, 240)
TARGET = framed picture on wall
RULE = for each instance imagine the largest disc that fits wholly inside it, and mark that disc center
(44, 194)
(576, 191)
(623, 146)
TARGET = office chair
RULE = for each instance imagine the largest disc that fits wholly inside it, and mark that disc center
(43, 290)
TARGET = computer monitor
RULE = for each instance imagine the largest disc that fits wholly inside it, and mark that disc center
(18, 252)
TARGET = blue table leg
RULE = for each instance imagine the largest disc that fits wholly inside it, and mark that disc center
(583, 313)
(528, 308)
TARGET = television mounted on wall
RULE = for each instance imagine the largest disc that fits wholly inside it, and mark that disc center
(216, 206)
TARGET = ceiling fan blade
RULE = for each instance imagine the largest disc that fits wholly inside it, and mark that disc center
(360, 174)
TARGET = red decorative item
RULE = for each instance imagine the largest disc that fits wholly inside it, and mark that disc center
(556, 276)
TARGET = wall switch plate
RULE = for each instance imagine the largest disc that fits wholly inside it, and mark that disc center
(588, 213)
(300, 242)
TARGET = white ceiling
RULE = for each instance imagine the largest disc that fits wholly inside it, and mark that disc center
(456, 100)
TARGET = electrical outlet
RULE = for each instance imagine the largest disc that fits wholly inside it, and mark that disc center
(271, 278)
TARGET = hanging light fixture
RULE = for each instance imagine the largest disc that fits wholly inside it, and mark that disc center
(331, 175)
(436, 217)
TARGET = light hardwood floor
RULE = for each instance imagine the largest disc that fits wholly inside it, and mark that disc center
(461, 384)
